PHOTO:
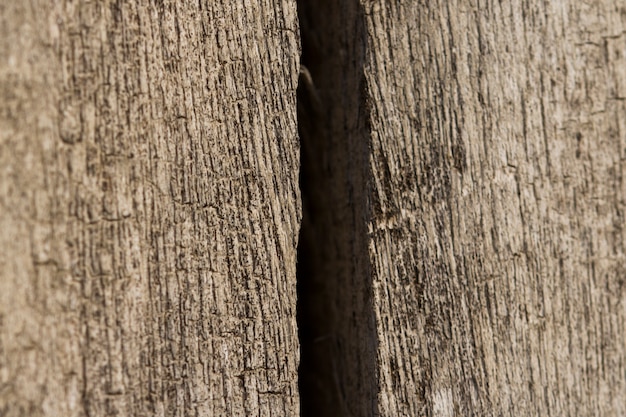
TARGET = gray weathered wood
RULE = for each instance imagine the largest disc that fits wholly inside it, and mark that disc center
(149, 208)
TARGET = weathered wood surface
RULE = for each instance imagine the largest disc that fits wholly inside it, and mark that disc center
(462, 243)
(496, 237)
(493, 149)
(149, 208)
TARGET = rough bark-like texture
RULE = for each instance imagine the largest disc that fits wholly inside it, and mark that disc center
(495, 140)
(149, 208)
(496, 234)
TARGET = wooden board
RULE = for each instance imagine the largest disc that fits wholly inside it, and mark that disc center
(150, 208)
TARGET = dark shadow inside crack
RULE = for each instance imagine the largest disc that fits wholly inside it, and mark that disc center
(337, 374)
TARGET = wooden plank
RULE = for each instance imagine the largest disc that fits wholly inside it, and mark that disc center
(492, 147)
(150, 208)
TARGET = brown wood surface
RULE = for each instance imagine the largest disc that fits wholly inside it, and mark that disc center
(493, 137)
(149, 208)
(496, 236)
(462, 243)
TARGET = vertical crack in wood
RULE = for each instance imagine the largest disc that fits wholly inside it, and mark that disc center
(335, 314)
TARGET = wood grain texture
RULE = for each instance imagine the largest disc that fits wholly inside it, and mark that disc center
(149, 208)
(496, 237)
